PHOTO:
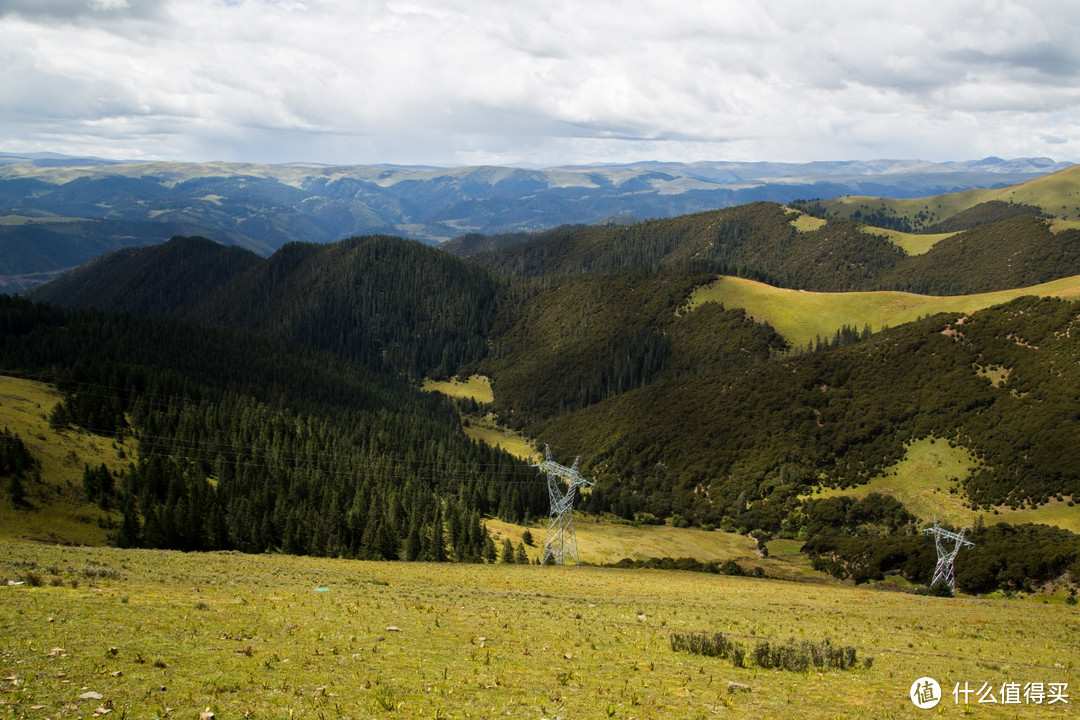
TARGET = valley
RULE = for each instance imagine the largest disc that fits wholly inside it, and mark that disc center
(734, 380)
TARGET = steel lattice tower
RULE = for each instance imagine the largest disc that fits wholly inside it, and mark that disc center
(561, 540)
(945, 556)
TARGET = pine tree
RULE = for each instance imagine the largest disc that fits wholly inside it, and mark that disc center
(412, 543)
(438, 546)
(16, 490)
(521, 557)
(507, 555)
(129, 534)
(489, 549)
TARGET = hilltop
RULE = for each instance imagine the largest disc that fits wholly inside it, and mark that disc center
(1056, 195)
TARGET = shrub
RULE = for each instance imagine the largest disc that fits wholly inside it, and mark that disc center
(793, 655)
(709, 645)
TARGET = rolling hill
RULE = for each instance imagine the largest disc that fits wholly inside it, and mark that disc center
(57, 212)
(691, 390)
(1056, 194)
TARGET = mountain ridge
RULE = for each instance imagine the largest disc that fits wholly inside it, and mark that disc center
(48, 199)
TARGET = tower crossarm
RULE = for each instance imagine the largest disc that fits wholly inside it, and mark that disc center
(949, 535)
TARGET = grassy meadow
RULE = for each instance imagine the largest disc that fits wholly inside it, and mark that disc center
(802, 316)
(911, 243)
(1055, 193)
(58, 510)
(926, 482)
(164, 634)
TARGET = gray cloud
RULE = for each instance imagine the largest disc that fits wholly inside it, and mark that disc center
(446, 81)
(81, 10)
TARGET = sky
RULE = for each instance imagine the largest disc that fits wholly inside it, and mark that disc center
(468, 82)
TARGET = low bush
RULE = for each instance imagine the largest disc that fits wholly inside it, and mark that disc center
(793, 655)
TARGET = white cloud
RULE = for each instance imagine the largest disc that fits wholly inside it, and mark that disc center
(469, 80)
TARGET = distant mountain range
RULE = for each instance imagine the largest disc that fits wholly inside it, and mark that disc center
(58, 212)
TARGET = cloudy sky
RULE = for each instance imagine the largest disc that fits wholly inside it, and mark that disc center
(449, 82)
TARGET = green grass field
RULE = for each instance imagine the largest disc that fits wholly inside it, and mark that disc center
(482, 426)
(602, 542)
(911, 243)
(1057, 194)
(926, 482)
(476, 387)
(58, 509)
(802, 316)
(153, 634)
(29, 220)
(806, 223)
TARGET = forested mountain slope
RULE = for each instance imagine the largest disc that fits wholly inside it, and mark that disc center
(743, 444)
(385, 303)
(701, 416)
(761, 242)
(1055, 195)
(250, 443)
(170, 279)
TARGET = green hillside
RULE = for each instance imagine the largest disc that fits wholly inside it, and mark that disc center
(842, 416)
(55, 507)
(388, 304)
(765, 242)
(803, 317)
(1056, 194)
(235, 441)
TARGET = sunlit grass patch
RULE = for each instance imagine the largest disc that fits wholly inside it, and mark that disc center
(249, 635)
(58, 510)
(486, 430)
(911, 243)
(807, 223)
(803, 317)
(477, 387)
(927, 480)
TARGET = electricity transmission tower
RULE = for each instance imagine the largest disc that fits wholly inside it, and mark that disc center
(945, 556)
(561, 541)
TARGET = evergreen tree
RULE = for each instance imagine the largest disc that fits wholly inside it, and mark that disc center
(507, 554)
(129, 534)
(413, 547)
(488, 553)
(521, 557)
(16, 490)
(438, 545)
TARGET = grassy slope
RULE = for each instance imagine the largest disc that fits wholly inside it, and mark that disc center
(923, 481)
(911, 243)
(482, 426)
(58, 512)
(802, 316)
(1058, 194)
(177, 634)
(604, 543)
(477, 387)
